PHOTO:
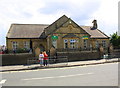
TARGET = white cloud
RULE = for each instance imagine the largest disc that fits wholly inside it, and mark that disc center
(107, 16)
(81, 11)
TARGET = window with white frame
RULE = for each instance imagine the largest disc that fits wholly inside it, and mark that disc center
(85, 43)
(65, 43)
(72, 43)
(104, 43)
(54, 43)
(26, 45)
(15, 45)
(97, 44)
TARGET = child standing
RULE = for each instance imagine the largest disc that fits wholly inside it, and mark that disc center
(41, 56)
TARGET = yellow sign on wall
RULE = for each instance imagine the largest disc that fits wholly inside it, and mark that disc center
(85, 37)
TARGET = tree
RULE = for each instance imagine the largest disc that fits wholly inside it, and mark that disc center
(115, 40)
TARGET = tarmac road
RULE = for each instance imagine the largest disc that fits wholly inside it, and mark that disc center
(93, 75)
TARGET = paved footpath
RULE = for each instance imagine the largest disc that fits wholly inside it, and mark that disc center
(58, 65)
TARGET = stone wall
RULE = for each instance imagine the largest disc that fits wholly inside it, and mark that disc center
(116, 53)
(84, 55)
(15, 59)
(19, 41)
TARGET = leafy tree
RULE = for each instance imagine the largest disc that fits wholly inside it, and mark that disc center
(115, 40)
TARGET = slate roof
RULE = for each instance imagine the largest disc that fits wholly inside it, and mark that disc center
(94, 33)
(42, 30)
(26, 30)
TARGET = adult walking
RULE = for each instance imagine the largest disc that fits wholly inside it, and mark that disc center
(45, 62)
(41, 56)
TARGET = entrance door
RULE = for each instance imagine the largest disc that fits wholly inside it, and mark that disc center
(42, 48)
(30, 44)
(37, 51)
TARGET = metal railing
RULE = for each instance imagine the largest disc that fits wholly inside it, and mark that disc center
(32, 60)
(110, 56)
(51, 60)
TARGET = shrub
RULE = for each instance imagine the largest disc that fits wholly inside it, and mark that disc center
(22, 50)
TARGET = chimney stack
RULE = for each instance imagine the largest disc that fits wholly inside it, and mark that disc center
(94, 25)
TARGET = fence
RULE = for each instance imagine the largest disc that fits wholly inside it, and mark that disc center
(110, 56)
(51, 60)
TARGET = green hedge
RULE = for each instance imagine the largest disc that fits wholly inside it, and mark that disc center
(22, 50)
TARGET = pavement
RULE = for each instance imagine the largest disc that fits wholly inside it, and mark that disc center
(57, 65)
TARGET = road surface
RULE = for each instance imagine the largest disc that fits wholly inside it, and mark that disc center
(90, 75)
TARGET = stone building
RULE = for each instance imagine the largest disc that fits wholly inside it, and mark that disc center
(62, 35)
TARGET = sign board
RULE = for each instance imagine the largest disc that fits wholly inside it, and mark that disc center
(54, 37)
(85, 37)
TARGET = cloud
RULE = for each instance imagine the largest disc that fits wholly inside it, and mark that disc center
(107, 16)
(15, 11)
(79, 9)
(47, 11)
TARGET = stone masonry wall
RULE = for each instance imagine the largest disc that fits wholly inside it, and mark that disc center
(15, 59)
(86, 55)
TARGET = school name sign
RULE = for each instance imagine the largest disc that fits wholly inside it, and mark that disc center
(54, 37)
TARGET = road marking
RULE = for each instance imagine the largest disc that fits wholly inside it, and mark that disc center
(3, 81)
(60, 68)
(58, 76)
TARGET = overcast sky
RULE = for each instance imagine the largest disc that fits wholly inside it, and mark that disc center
(83, 12)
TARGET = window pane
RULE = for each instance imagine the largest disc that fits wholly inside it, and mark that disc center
(15, 45)
(26, 45)
(72, 45)
(104, 43)
(85, 43)
(65, 43)
(97, 44)
(54, 42)
(72, 40)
